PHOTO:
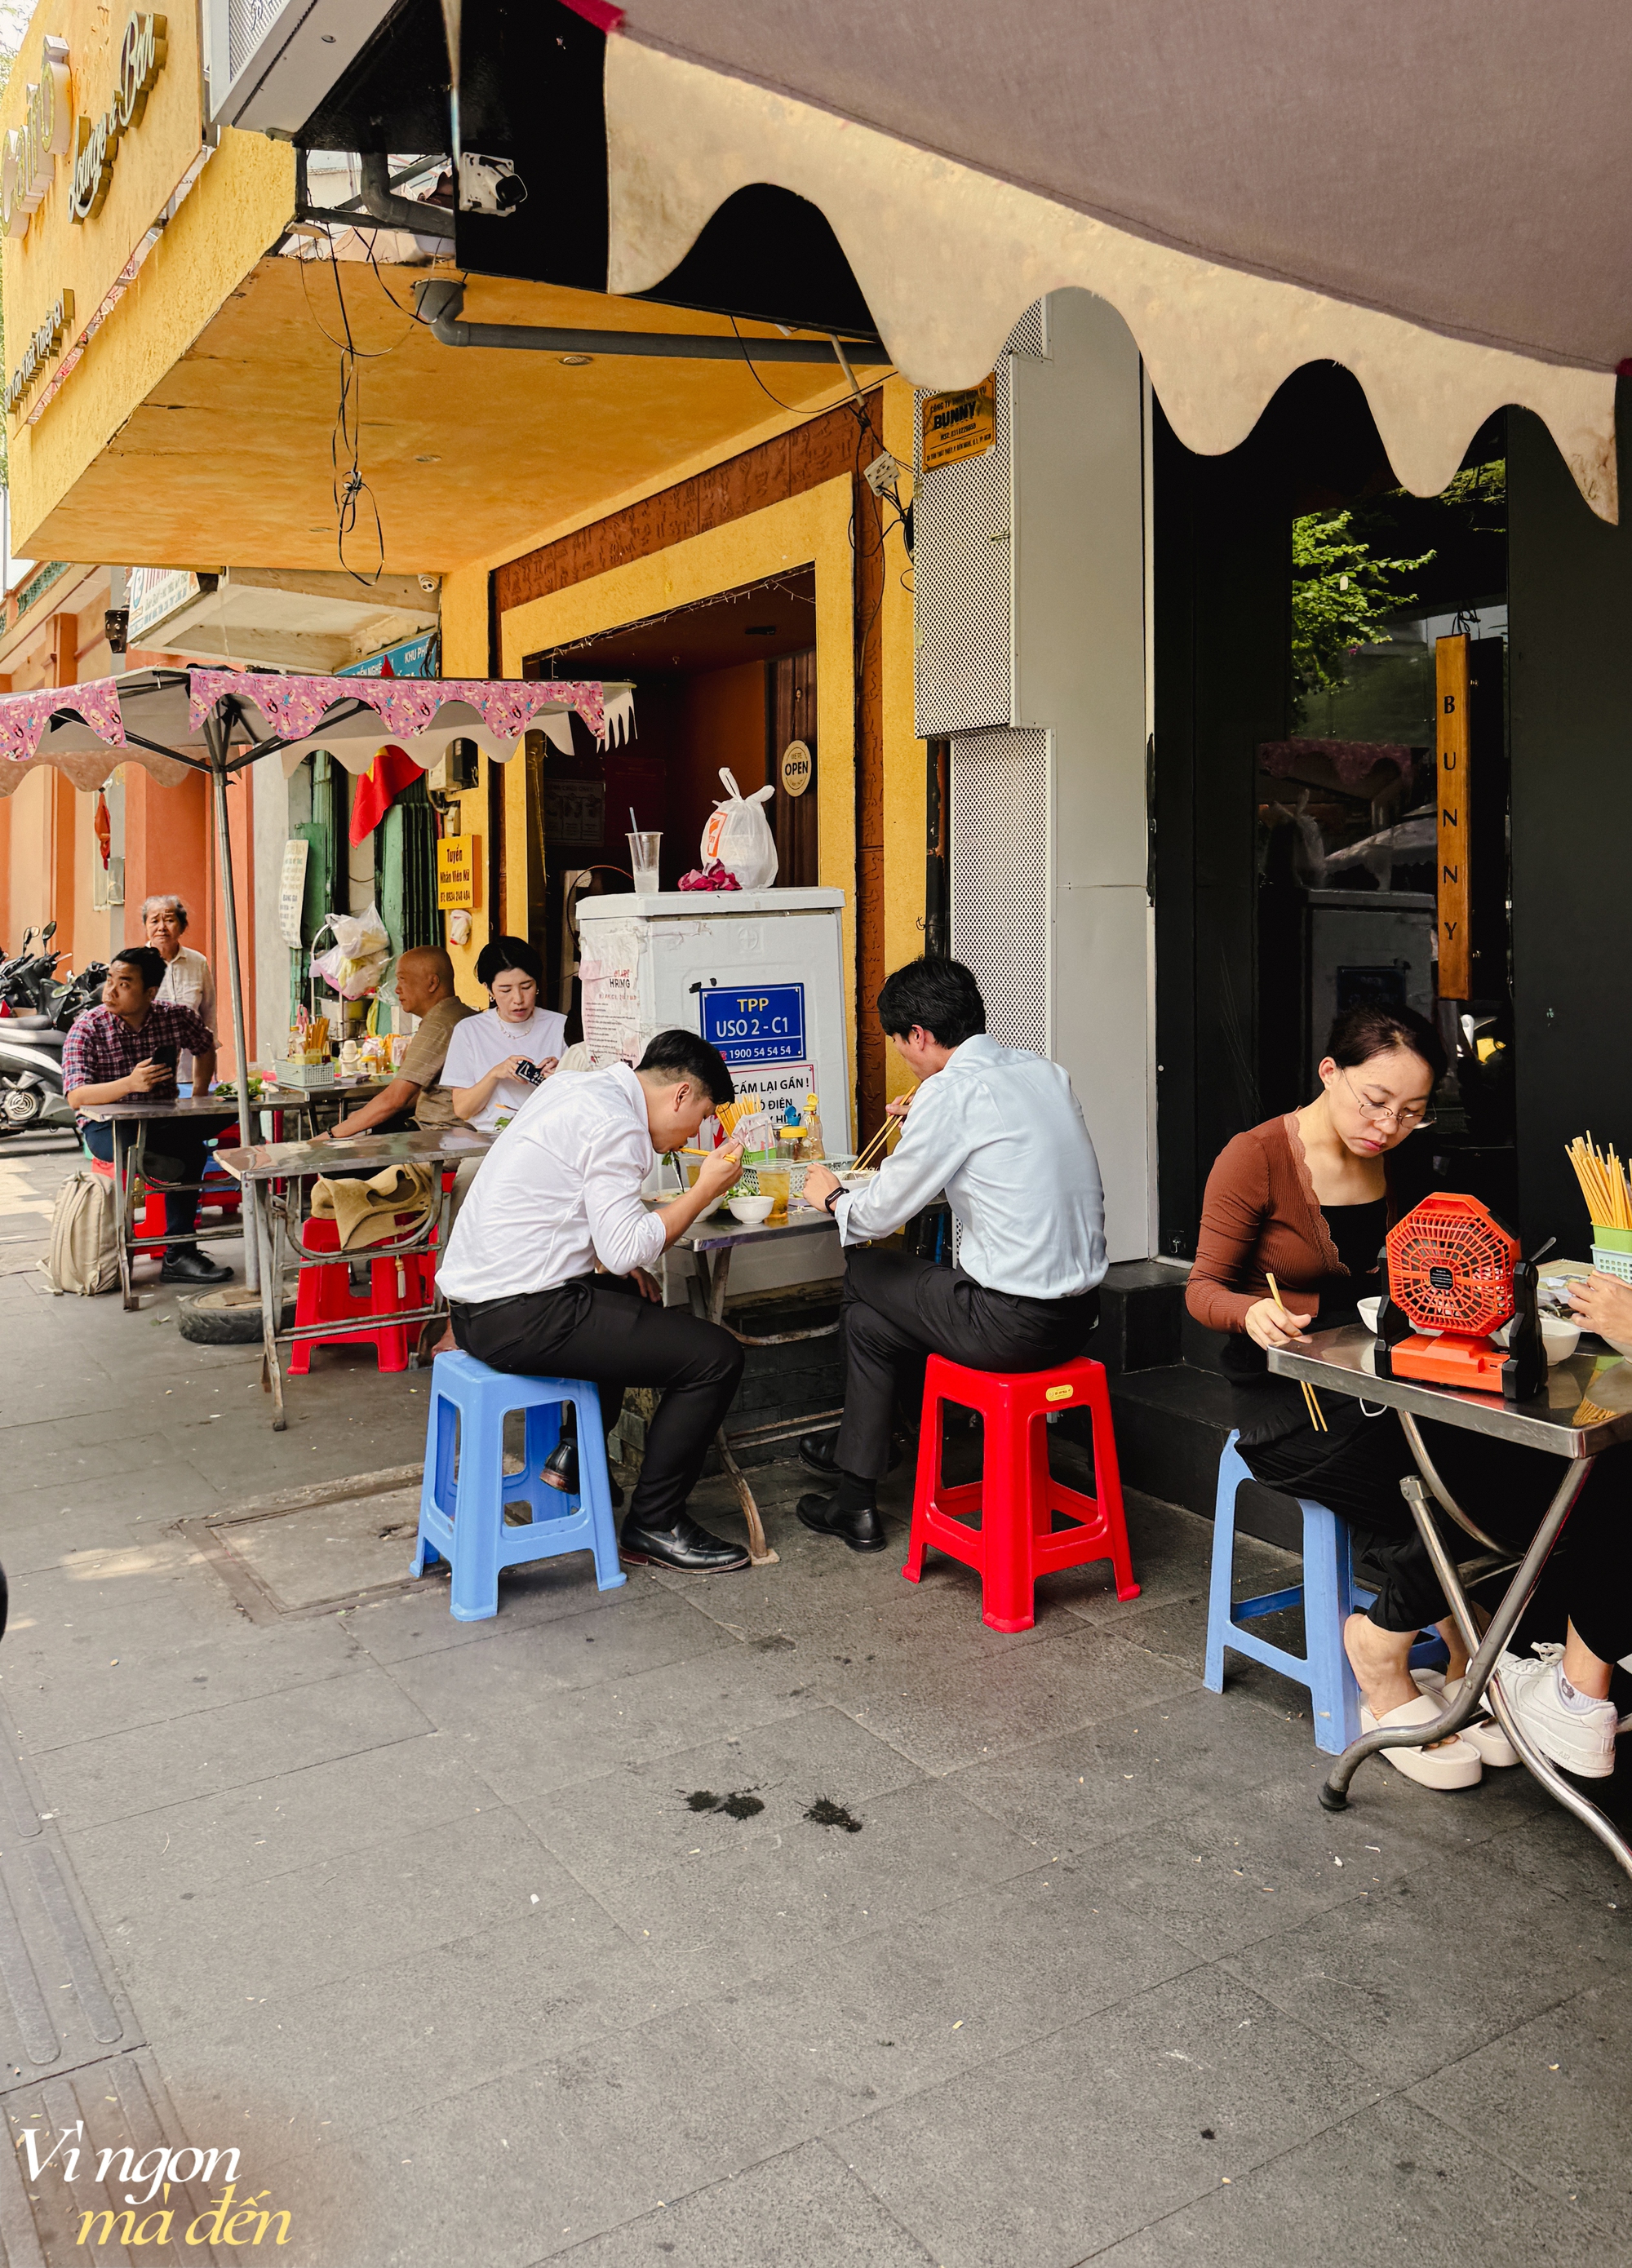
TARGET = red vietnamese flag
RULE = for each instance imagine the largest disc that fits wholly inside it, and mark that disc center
(392, 771)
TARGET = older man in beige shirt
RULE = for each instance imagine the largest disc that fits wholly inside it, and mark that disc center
(425, 988)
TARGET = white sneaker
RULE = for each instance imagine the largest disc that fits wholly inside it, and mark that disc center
(1583, 1740)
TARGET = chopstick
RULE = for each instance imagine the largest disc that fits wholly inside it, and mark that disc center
(1603, 1182)
(879, 1139)
(1311, 1400)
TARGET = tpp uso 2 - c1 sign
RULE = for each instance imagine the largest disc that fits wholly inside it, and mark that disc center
(764, 1026)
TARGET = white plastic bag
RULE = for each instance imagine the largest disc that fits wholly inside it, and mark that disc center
(739, 835)
(355, 962)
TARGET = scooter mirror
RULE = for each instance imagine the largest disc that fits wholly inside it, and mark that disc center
(47, 932)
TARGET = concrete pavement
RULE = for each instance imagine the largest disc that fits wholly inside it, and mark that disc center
(518, 1941)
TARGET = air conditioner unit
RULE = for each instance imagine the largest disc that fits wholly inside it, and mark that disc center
(269, 63)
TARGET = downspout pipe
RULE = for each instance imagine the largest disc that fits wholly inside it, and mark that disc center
(380, 203)
(439, 298)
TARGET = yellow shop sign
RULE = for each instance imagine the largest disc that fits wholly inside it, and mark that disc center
(28, 161)
(958, 426)
(141, 56)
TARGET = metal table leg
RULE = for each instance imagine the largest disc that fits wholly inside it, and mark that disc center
(264, 1230)
(715, 1276)
(124, 1227)
(1484, 1649)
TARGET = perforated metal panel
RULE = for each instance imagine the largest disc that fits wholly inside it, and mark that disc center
(1002, 879)
(963, 569)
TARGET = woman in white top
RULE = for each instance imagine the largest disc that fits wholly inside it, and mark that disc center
(484, 1050)
(188, 981)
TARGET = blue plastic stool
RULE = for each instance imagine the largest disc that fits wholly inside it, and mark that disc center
(1328, 1595)
(463, 1520)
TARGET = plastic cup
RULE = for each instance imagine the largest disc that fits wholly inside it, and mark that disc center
(643, 849)
(773, 1183)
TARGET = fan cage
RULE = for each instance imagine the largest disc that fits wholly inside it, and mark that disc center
(1469, 1251)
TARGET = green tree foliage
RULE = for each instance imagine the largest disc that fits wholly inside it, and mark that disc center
(1343, 596)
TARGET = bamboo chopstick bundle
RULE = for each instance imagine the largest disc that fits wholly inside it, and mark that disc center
(1603, 1181)
(1311, 1400)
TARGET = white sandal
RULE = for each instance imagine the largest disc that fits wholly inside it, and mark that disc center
(1455, 1764)
(1484, 1733)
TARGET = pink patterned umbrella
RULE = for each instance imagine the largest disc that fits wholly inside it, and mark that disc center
(166, 718)
(175, 721)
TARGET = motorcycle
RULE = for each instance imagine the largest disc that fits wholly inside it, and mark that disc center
(36, 1011)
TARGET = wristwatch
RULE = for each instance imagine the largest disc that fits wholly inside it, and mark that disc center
(831, 1199)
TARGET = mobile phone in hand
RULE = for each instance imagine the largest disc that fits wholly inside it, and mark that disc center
(165, 1053)
(528, 1073)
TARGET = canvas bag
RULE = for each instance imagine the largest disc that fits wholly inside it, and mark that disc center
(739, 835)
(83, 1256)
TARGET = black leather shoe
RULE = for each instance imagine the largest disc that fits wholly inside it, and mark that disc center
(862, 1531)
(816, 1452)
(560, 1471)
(187, 1264)
(686, 1545)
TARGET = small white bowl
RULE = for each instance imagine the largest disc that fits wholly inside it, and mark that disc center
(752, 1211)
(1367, 1310)
(857, 1180)
(1559, 1338)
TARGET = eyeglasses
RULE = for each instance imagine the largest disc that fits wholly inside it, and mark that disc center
(1408, 1117)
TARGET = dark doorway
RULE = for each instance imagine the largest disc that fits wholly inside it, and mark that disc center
(712, 683)
(1301, 598)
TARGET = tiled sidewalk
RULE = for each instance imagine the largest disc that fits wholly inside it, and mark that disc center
(420, 1917)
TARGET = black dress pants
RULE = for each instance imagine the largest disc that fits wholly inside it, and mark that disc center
(175, 1148)
(600, 1328)
(896, 1311)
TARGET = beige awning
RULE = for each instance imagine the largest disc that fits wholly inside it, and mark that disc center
(1435, 202)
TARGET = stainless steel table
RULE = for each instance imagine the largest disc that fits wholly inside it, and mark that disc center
(273, 1173)
(1585, 1408)
(131, 1163)
(710, 1241)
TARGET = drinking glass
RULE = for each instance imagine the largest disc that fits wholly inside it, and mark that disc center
(643, 849)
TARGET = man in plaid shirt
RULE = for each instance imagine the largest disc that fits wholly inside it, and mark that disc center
(128, 1048)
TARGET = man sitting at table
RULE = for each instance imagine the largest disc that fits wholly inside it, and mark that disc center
(559, 1198)
(1000, 1131)
(126, 1050)
(425, 988)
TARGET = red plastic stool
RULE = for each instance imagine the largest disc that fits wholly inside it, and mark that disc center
(1017, 1497)
(395, 1285)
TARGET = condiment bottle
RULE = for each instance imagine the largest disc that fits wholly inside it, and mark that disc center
(813, 1130)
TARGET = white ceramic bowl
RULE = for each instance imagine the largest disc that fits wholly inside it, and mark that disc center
(1559, 1338)
(1367, 1309)
(752, 1211)
(857, 1180)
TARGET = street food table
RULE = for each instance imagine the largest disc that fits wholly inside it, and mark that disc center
(710, 1241)
(274, 1176)
(1585, 1408)
(130, 1161)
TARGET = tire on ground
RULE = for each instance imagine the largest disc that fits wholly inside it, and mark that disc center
(224, 1318)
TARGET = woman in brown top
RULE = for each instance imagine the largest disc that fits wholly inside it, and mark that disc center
(1308, 1198)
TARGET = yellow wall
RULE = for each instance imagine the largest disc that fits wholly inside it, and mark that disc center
(808, 530)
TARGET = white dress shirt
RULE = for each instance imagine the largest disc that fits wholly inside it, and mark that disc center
(188, 982)
(560, 1191)
(1000, 1132)
(481, 1043)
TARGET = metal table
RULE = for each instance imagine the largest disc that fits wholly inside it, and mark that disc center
(270, 1170)
(1585, 1408)
(129, 1163)
(710, 1241)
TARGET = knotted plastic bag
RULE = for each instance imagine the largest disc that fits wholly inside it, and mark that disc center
(739, 835)
(353, 966)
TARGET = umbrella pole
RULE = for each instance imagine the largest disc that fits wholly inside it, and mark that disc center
(215, 739)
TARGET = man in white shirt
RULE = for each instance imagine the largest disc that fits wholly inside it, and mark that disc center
(1000, 1131)
(558, 1193)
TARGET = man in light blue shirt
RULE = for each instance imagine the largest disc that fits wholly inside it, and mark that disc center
(1000, 1131)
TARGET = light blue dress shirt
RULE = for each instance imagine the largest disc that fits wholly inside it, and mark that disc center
(1000, 1132)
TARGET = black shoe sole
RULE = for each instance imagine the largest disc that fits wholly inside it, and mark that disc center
(821, 1528)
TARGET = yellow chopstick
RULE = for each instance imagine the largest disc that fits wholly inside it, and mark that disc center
(1311, 1400)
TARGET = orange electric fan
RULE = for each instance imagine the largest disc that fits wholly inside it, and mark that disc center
(1451, 1270)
